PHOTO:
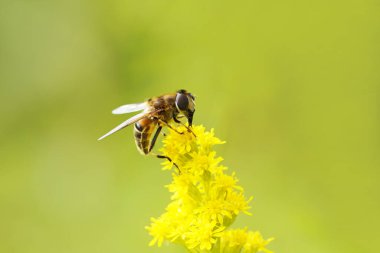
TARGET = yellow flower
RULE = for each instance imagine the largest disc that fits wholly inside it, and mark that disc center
(213, 210)
(233, 240)
(237, 203)
(225, 182)
(205, 201)
(255, 243)
(203, 234)
(241, 240)
(159, 229)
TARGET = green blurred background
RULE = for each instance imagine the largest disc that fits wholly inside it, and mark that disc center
(292, 86)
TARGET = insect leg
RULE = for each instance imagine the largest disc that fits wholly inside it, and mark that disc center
(188, 129)
(179, 122)
(175, 119)
(168, 125)
(169, 159)
(155, 138)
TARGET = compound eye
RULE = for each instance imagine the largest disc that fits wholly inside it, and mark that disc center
(182, 102)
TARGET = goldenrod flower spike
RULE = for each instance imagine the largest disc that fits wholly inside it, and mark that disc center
(205, 201)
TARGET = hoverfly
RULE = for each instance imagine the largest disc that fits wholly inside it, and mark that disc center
(156, 113)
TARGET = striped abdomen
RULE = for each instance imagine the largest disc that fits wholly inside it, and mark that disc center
(143, 130)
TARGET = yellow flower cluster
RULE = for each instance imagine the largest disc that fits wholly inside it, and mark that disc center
(205, 201)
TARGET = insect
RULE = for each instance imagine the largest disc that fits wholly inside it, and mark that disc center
(156, 113)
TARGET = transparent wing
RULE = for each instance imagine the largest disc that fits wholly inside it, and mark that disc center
(130, 108)
(126, 123)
